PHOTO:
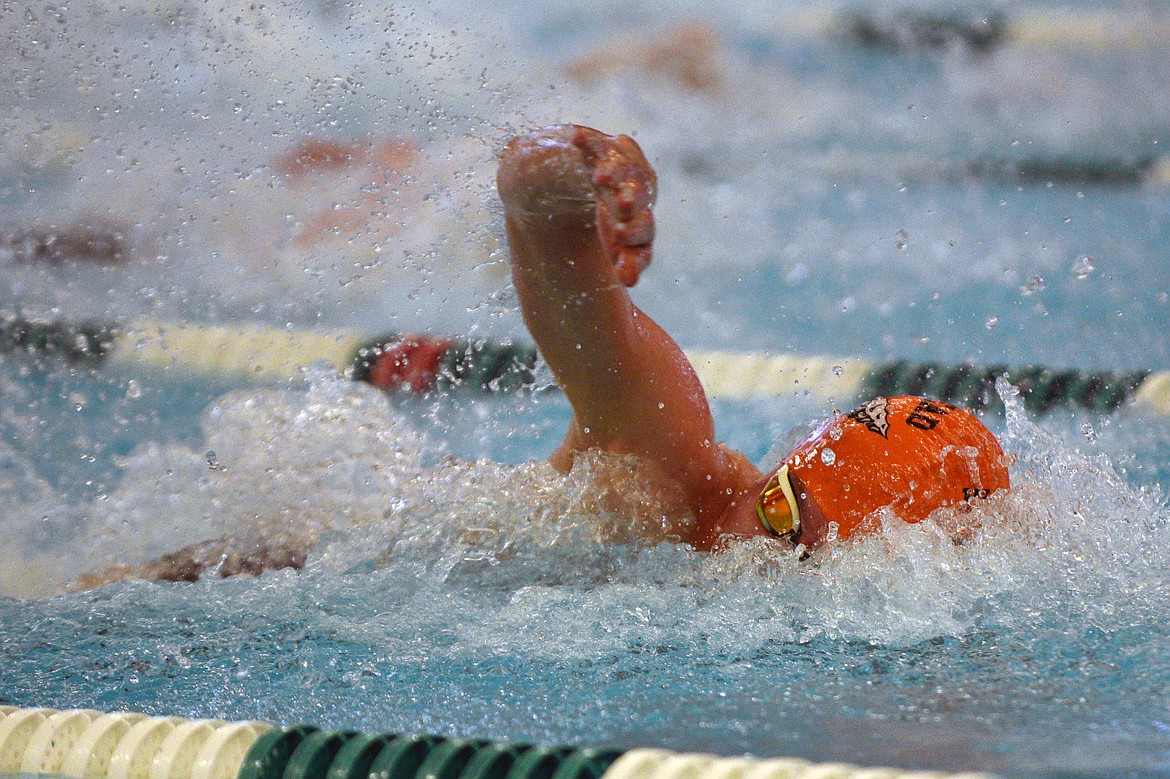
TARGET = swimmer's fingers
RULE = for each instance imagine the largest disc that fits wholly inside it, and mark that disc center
(631, 241)
(626, 189)
(622, 176)
(636, 230)
(571, 169)
(631, 238)
(630, 263)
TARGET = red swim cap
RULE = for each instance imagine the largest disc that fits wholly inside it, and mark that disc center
(912, 454)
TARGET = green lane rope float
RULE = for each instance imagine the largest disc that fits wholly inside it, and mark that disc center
(922, 29)
(1043, 389)
(80, 343)
(423, 363)
(92, 745)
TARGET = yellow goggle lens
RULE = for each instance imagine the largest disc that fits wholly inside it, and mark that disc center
(777, 507)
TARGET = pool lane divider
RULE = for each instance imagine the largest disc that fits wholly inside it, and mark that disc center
(980, 28)
(422, 363)
(91, 745)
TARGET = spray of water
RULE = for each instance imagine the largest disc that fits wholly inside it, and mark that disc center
(335, 468)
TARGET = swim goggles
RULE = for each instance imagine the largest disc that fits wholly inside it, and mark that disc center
(777, 507)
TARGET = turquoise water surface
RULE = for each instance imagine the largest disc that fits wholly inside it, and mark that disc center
(826, 198)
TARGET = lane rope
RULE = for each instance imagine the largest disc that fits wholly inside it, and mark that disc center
(1099, 168)
(92, 745)
(981, 29)
(423, 363)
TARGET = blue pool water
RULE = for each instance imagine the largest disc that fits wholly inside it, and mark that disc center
(817, 204)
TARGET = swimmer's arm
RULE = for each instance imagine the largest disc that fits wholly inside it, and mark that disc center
(578, 238)
(570, 274)
(222, 557)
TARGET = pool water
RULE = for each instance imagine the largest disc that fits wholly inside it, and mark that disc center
(819, 203)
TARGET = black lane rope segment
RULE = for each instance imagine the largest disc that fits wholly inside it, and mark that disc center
(494, 761)
(587, 764)
(86, 342)
(402, 758)
(315, 754)
(1042, 389)
(357, 755)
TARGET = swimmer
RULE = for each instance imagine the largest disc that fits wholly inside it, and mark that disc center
(580, 227)
(221, 557)
(95, 241)
(686, 54)
(379, 168)
(579, 220)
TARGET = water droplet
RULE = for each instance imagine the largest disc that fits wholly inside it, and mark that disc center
(133, 389)
(1033, 285)
(828, 456)
(838, 370)
(212, 460)
(991, 323)
(902, 237)
(661, 405)
(1083, 267)
(1089, 432)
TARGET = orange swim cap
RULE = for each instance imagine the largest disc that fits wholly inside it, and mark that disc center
(909, 453)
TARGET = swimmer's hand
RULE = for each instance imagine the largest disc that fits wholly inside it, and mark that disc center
(568, 169)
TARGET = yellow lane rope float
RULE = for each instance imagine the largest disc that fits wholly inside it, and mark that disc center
(424, 363)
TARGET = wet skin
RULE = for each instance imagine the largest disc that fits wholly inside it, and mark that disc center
(579, 219)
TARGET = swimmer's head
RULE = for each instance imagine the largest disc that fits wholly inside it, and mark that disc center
(910, 454)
